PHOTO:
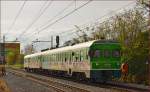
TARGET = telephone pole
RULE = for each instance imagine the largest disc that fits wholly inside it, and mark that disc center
(51, 42)
(4, 50)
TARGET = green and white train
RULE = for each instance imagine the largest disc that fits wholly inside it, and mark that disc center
(96, 60)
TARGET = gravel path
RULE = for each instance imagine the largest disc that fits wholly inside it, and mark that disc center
(19, 84)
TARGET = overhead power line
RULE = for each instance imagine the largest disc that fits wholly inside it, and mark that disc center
(15, 19)
(98, 19)
(36, 18)
(73, 30)
(59, 13)
(54, 17)
(43, 29)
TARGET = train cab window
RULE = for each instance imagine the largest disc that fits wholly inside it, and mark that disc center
(97, 53)
(107, 53)
(116, 53)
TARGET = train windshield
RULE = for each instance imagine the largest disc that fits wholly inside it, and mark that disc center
(116, 53)
(95, 53)
(107, 53)
(104, 53)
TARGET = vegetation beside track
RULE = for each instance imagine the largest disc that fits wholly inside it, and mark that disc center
(131, 30)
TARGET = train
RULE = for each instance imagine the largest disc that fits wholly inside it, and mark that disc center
(97, 60)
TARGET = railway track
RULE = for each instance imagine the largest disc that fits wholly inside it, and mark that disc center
(58, 86)
(66, 87)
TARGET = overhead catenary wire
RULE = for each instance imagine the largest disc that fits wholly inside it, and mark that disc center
(43, 29)
(54, 17)
(59, 13)
(96, 19)
(16, 17)
(41, 12)
(64, 32)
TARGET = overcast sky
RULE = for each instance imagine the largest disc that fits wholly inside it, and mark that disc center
(92, 12)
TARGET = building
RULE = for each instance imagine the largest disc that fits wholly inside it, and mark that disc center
(12, 52)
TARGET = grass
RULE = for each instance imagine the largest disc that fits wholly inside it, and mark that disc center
(16, 66)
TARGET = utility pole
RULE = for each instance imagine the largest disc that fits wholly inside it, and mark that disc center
(0, 22)
(46, 41)
(4, 50)
(51, 42)
(41, 41)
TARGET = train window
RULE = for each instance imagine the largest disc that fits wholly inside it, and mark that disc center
(81, 55)
(61, 57)
(80, 58)
(54, 57)
(107, 53)
(58, 56)
(76, 59)
(70, 59)
(72, 53)
(91, 53)
(86, 54)
(116, 53)
(65, 59)
(47, 58)
(44, 58)
(69, 56)
(94, 53)
(97, 53)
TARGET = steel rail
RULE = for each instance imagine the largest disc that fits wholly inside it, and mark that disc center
(58, 86)
(125, 87)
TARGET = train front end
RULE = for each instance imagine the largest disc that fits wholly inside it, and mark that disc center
(105, 58)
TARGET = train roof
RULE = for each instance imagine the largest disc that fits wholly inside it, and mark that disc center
(77, 46)
(67, 48)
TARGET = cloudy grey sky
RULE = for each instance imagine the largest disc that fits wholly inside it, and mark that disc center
(92, 12)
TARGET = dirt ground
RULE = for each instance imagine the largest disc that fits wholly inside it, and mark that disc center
(3, 86)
